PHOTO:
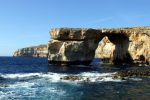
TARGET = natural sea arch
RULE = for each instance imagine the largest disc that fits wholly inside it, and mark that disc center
(119, 54)
(78, 46)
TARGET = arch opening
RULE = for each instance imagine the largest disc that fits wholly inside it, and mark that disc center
(113, 48)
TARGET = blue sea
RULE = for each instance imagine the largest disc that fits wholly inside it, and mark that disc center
(34, 79)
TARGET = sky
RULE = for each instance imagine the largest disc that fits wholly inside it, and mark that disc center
(25, 23)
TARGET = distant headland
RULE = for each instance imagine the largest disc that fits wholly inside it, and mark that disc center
(33, 51)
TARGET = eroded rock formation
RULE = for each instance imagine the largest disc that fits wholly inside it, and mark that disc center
(72, 46)
(120, 45)
(134, 45)
(105, 50)
(34, 51)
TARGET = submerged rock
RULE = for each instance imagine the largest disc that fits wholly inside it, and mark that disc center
(34, 51)
(71, 78)
(140, 72)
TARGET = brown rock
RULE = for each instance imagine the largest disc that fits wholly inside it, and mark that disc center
(120, 45)
(34, 51)
(71, 52)
(76, 34)
(71, 78)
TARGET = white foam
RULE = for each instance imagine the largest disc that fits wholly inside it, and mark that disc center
(28, 75)
(56, 77)
(21, 85)
(21, 75)
(56, 90)
(136, 79)
(96, 74)
(14, 90)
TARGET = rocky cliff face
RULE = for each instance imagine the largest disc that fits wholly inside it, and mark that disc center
(137, 45)
(34, 51)
(120, 45)
(72, 46)
(105, 50)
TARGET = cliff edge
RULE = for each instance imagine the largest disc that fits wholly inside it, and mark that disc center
(33, 51)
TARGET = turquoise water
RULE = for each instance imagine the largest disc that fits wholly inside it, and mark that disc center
(35, 79)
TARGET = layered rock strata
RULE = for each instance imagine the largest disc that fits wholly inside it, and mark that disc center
(72, 46)
(136, 45)
(120, 45)
(34, 51)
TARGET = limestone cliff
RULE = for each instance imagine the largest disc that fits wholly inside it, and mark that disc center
(105, 50)
(34, 51)
(72, 46)
(118, 45)
(137, 49)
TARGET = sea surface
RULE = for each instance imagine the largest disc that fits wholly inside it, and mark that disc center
(34, 79)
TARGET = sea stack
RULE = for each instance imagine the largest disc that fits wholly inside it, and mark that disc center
(72, 45)
(78, 45)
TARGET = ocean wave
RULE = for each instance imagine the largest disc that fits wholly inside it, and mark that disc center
(29, 89)
(57, 77)
(22, 85)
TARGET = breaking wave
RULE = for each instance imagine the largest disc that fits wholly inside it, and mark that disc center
(57, 77)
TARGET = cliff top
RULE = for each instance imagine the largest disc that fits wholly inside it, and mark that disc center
(36, 47)
(138, 29)
(91, 33)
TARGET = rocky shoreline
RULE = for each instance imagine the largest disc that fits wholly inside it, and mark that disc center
(120, 75)
(140, 72)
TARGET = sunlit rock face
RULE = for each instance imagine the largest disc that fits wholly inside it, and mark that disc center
(105, 50)
(132, 46)
(74, 34)
(114, 49)
(34, 51)
(120, 45)
(72, 46)
(139, 47)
